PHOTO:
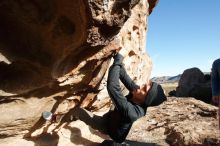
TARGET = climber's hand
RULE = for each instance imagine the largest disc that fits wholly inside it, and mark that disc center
(123, 52)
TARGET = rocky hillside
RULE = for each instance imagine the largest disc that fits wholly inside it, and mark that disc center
(166, 79)
(171, 79)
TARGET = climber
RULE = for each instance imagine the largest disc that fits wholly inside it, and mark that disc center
(134, 105)
(215, 79)
(215, 82)
(117, 122)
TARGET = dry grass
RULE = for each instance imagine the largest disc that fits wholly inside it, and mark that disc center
(167, 87)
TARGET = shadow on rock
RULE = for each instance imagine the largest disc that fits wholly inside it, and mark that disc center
(77, 139)
(126, 143)
(46, 139)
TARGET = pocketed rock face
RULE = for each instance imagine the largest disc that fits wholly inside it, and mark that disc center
(55, 54)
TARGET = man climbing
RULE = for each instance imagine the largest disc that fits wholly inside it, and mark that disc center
(134, 105)
(117, 122)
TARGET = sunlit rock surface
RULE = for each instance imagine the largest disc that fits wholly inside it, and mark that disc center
(56, 54)
(178, 121)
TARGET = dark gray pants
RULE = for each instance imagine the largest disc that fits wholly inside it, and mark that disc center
(96, 122)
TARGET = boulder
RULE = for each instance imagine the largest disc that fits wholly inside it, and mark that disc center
(55, 55)
(193, 83)
(178, 121)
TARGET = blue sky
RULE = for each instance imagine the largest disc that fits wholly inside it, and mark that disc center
(183, 34)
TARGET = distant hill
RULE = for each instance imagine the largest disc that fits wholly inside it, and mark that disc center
(166, 79)
(170, 79)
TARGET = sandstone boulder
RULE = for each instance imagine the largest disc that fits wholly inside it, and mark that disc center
(56, 54)
(193, 83)
(178, 122)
